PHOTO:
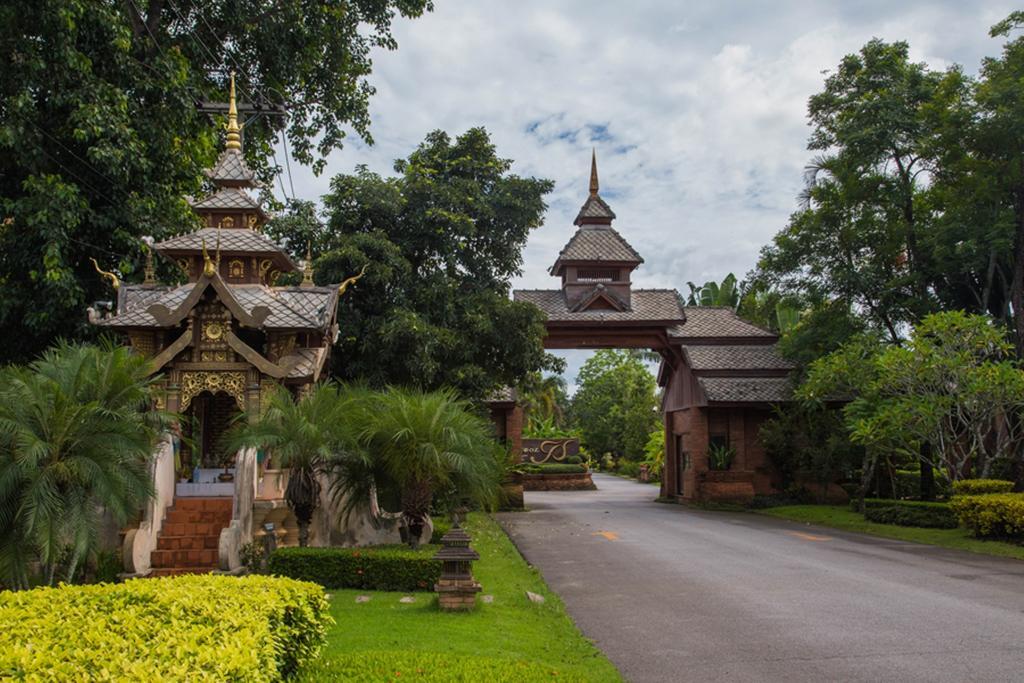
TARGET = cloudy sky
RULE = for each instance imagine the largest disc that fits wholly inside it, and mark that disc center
(697, 110)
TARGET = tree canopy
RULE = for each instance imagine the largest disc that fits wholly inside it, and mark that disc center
(615, 407)
(101, 139)
(442, 239)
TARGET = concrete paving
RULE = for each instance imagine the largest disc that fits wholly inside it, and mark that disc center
(674, 594)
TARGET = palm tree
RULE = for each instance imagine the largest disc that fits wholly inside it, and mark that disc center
(76, 439)
(426, 442)
(711, 293)
(301, 436)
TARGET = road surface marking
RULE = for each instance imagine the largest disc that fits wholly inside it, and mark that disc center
(808, 537)
(610, 535)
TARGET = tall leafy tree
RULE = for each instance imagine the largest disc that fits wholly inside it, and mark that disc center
(101, 140)
(615, 407)
(441, 241)
(859, 236)
(76, 439)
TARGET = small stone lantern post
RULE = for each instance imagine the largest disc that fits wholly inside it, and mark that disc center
(456, 589)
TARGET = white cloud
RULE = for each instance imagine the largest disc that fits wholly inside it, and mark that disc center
(697, 110)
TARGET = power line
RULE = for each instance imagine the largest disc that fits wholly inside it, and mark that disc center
(287, 163)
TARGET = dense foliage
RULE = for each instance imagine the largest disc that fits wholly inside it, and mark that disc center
(995, 515)
(953, 385)
(978, 487)
(197, 628)
(442, 239)
(424, 446)
(76, 440)
(910, 513)
(380, 568)
(101, 139)
(302, 436)
(615, 408)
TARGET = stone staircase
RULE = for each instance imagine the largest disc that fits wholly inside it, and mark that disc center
(189, 536)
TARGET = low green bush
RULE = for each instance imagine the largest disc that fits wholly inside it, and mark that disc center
(432, 667)
(978, 487)
(574, 460)
(380, 568)
(553, 468)
(441, 527)
(991, 515)
(628, 468)
(195, 628)
(910, 513)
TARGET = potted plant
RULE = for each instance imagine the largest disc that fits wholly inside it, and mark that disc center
(720, 457)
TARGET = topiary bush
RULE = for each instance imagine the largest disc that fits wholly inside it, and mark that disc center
(381, 568)
(991, 515)
(197, 628)
(441, 527)
(910, 513)
(978, 487)
(553, 468)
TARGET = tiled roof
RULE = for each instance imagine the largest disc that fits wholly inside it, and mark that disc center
(594, 207)
(746, 389)
(645, 304)
(228, 198)
(237, 240)
(598, 243)
(310, 308)
(307, 362)
(231, 168)
(736, 357)
(714, 321)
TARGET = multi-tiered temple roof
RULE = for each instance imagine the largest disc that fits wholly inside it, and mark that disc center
(231, 267)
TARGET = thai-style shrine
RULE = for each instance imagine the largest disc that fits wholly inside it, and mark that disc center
(720, 375)
(220, 341)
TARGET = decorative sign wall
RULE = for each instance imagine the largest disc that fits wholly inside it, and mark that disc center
(549, 450)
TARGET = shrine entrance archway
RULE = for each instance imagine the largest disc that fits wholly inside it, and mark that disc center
(720, 375)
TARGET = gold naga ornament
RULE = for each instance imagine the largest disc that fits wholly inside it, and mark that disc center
(107, 275)
(352, 280)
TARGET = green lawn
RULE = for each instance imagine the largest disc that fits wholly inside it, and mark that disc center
(511, 639)
(842, 517)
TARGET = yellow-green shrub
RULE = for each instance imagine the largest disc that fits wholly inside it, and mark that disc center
(195, 628)
(977, 487)
(998, 515)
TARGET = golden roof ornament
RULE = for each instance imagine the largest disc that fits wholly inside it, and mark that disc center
(114, 282)
(209, 269)
(234, 140)
(593, 172)
(352, 280)
(307, 266)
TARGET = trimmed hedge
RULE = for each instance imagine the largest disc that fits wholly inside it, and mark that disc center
(554, 468)
(196, 628)
(977, 487)
(379, 568)
(432, 667)
(992, 515)
(910, 513)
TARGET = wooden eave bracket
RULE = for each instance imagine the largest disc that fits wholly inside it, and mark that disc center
(168, 318)
(265, 365)
(168, 354)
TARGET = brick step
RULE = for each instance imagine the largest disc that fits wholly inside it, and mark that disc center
(193, 529)
(177, 571)
(177, 515)
(187, 542)
(183, 558)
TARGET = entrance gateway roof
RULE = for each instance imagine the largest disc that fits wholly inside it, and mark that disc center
(731, 360)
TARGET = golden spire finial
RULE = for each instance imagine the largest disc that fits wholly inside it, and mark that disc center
(307, 267)
(149, 273)
(234, 130)
(114, 282)
(209, 270)
(593, 171)
(352, 280)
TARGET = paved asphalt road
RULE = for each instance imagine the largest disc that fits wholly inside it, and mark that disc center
(673, 594)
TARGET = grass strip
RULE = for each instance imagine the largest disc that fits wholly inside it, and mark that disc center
(510, 638)
(842, 517)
